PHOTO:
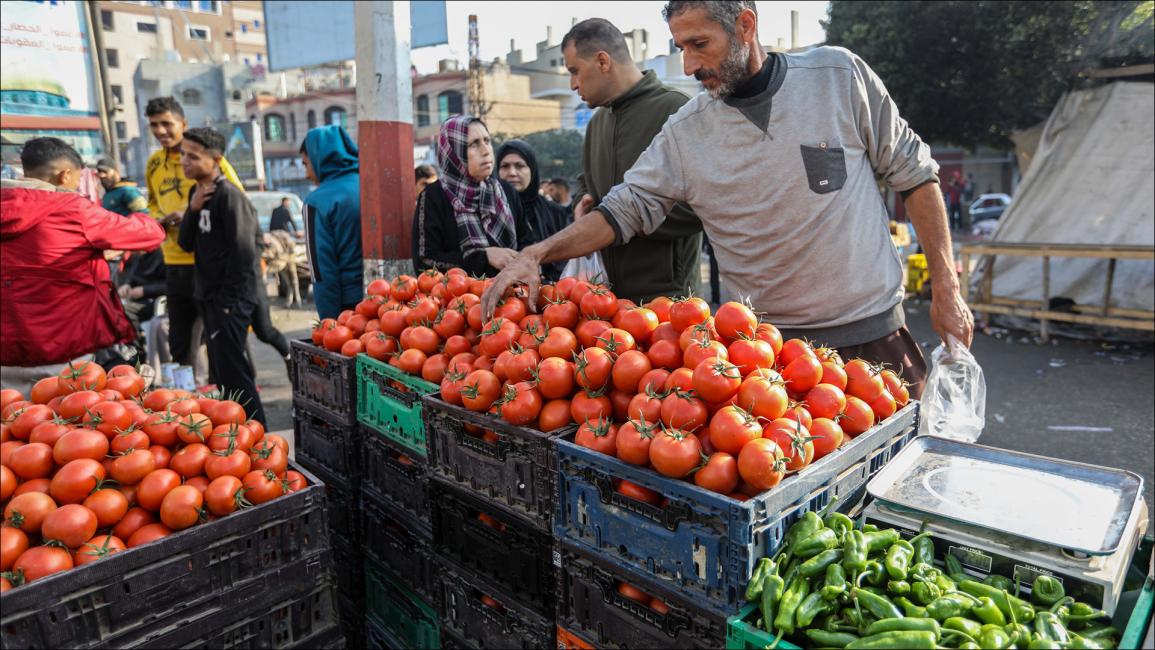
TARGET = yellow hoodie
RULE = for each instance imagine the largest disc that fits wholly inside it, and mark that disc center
(168, 192)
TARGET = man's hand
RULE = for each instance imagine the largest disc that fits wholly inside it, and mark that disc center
(583, 207)
(172, 219)
(122, 290)
(522, 269)
(949, 314)
(200, 197)
(136, 293)
(499, 258)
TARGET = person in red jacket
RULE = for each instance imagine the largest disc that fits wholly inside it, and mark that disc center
(59, 301)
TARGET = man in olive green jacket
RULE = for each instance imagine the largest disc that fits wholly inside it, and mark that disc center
(632, 109)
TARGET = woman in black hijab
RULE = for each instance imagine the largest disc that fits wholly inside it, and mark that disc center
(517, 165)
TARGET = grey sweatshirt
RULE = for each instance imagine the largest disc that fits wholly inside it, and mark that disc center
(784, 183)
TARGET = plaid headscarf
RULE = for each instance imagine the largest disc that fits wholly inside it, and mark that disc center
(480, 207)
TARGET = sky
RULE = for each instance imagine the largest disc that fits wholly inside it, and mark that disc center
(526, 22)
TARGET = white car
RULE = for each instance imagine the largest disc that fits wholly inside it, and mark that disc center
(989, 207)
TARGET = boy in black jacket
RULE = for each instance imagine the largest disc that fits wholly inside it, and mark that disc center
(221, 228)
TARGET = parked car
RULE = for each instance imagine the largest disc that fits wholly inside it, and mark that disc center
(989, 206)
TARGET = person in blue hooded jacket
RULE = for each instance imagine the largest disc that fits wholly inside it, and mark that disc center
(333, 219)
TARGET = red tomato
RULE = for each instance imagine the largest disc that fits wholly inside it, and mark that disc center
(750, 354)
(628, 370)
(718, 474)
(833, 374)
(75, 480)
(730, 429)
(132, 521)
(600, 435)
(148, 533)
(554, 415)
(682, 410)
(586, 407)
(13, 542)
(480, 390)
(857, 417)
(884, 406)
(765, 398)
(665, 354)
(27, 511)
(761, 464)
(639, 322)
(633, 441)
(181, 507)
(687, 312)
(521, 404)
(592, 368)
(863, 381)
(716, 380)
(675, 453)
(793, 440)
(108, 505)
(827, 435)
(262, 486)
(825, 401)
(71, 525)
(734, 320)
(41, 561)
(639, 493)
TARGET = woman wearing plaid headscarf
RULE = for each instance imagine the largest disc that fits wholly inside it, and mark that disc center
(468, 218)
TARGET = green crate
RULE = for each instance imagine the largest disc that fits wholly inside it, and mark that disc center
(401, 613)
(389, 402)
(742, 635)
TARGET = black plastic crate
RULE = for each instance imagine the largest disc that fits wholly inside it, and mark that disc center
(342, 496)
(518, 471)
(135, 592)
(401, 614)
(349, 565)
(324, 381)
(399, 543)
(589, 604)
(332, 446)
(395, 475)
(482, 538)
(479, 614)
(376, 638)
(351, 614)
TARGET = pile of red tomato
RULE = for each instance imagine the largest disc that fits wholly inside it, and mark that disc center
(92, 464)
(719, 398)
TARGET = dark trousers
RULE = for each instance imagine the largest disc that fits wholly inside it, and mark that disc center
(183, 311)
(263, 325)
(226, 329)
(956, 216)
(715, 283)
(899, 352)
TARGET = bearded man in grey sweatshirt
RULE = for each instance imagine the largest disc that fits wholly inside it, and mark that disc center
(778, 159)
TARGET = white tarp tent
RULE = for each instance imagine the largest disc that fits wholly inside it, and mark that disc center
(1091, 181)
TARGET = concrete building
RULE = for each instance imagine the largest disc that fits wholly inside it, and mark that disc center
(203, 32)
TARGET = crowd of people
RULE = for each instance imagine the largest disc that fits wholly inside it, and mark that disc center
(774, 165)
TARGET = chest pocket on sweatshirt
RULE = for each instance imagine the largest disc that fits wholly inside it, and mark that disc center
(825, 167)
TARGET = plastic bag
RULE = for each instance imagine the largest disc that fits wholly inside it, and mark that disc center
(584, 268)
(954, 402)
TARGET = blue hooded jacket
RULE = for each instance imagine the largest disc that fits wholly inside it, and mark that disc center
(333, 220)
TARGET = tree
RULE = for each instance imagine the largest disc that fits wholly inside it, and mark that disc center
(558, 151)
(971, 73)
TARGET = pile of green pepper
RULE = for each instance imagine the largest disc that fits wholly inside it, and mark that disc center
(834, 585)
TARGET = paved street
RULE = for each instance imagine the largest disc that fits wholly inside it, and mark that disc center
(1038, 395)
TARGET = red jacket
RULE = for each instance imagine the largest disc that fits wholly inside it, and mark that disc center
(58, 298)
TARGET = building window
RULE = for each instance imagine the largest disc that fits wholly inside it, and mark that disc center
(106, 20)
(423, 110)
(274, 127)
(292, 127)
(146, 28)
(247, 62)
(311, 119)
(260, 57)
(183, 4)
(209, 6)
(244, 28)
(198, 33)
(121, 130)
(237, 96)
(448, 105)
(256, 24)
(113, 57)
(553, 63)
(191, 96)
(335, 115)
(118, 93)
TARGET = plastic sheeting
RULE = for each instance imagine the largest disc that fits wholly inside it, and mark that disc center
(1091, 181)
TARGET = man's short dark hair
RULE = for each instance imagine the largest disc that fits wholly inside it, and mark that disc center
(284, 199)
(107, 163)
(424, 171)
(723, 12)
(207, 138)
(595, 35)
(158, 105)
(40, 154)
(561, 182)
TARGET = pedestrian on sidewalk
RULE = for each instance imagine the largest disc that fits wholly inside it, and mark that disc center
(333, 219)
(517, 165)
(221, 228)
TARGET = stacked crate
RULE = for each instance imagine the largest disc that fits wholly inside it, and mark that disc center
(327, 440)
(492, 493)
(396, 518)
(670, 573)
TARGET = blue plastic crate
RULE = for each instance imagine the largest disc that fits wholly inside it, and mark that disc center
(702, 543)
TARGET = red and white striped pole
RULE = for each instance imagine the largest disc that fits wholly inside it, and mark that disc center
(385, 136)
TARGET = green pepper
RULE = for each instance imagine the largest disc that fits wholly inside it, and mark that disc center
(964, 625)
(835, 583)
(898, 558)
(999, 582)
(839, 523)
(854, 555)
(788, 605)
(772, 587)
(1047, 590)
(903, 625)
(909, 608)
(818, 564)
(948, 606)
(806, 526)
(924, 571)
(896, 641)
(1021, 635)
(869, 528)
(879, 606)
(881, 540)
(1048, 626)
(988, 612)
(823, 639)
(816, 543)
(1080, 614)
(945, 583)
(954, 568)
(1099, 632)
(1012, 607)
(1040, 643)
(969, 645)
(754, 587)
(898, 587)
(923, 548)
(856, 618)
(874, 574)
(1083, 643)
(924, 593)
(993, 637)
(811, 608)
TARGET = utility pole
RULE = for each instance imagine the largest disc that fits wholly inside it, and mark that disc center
(384, 136)
(104, 100)
(477, 106)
